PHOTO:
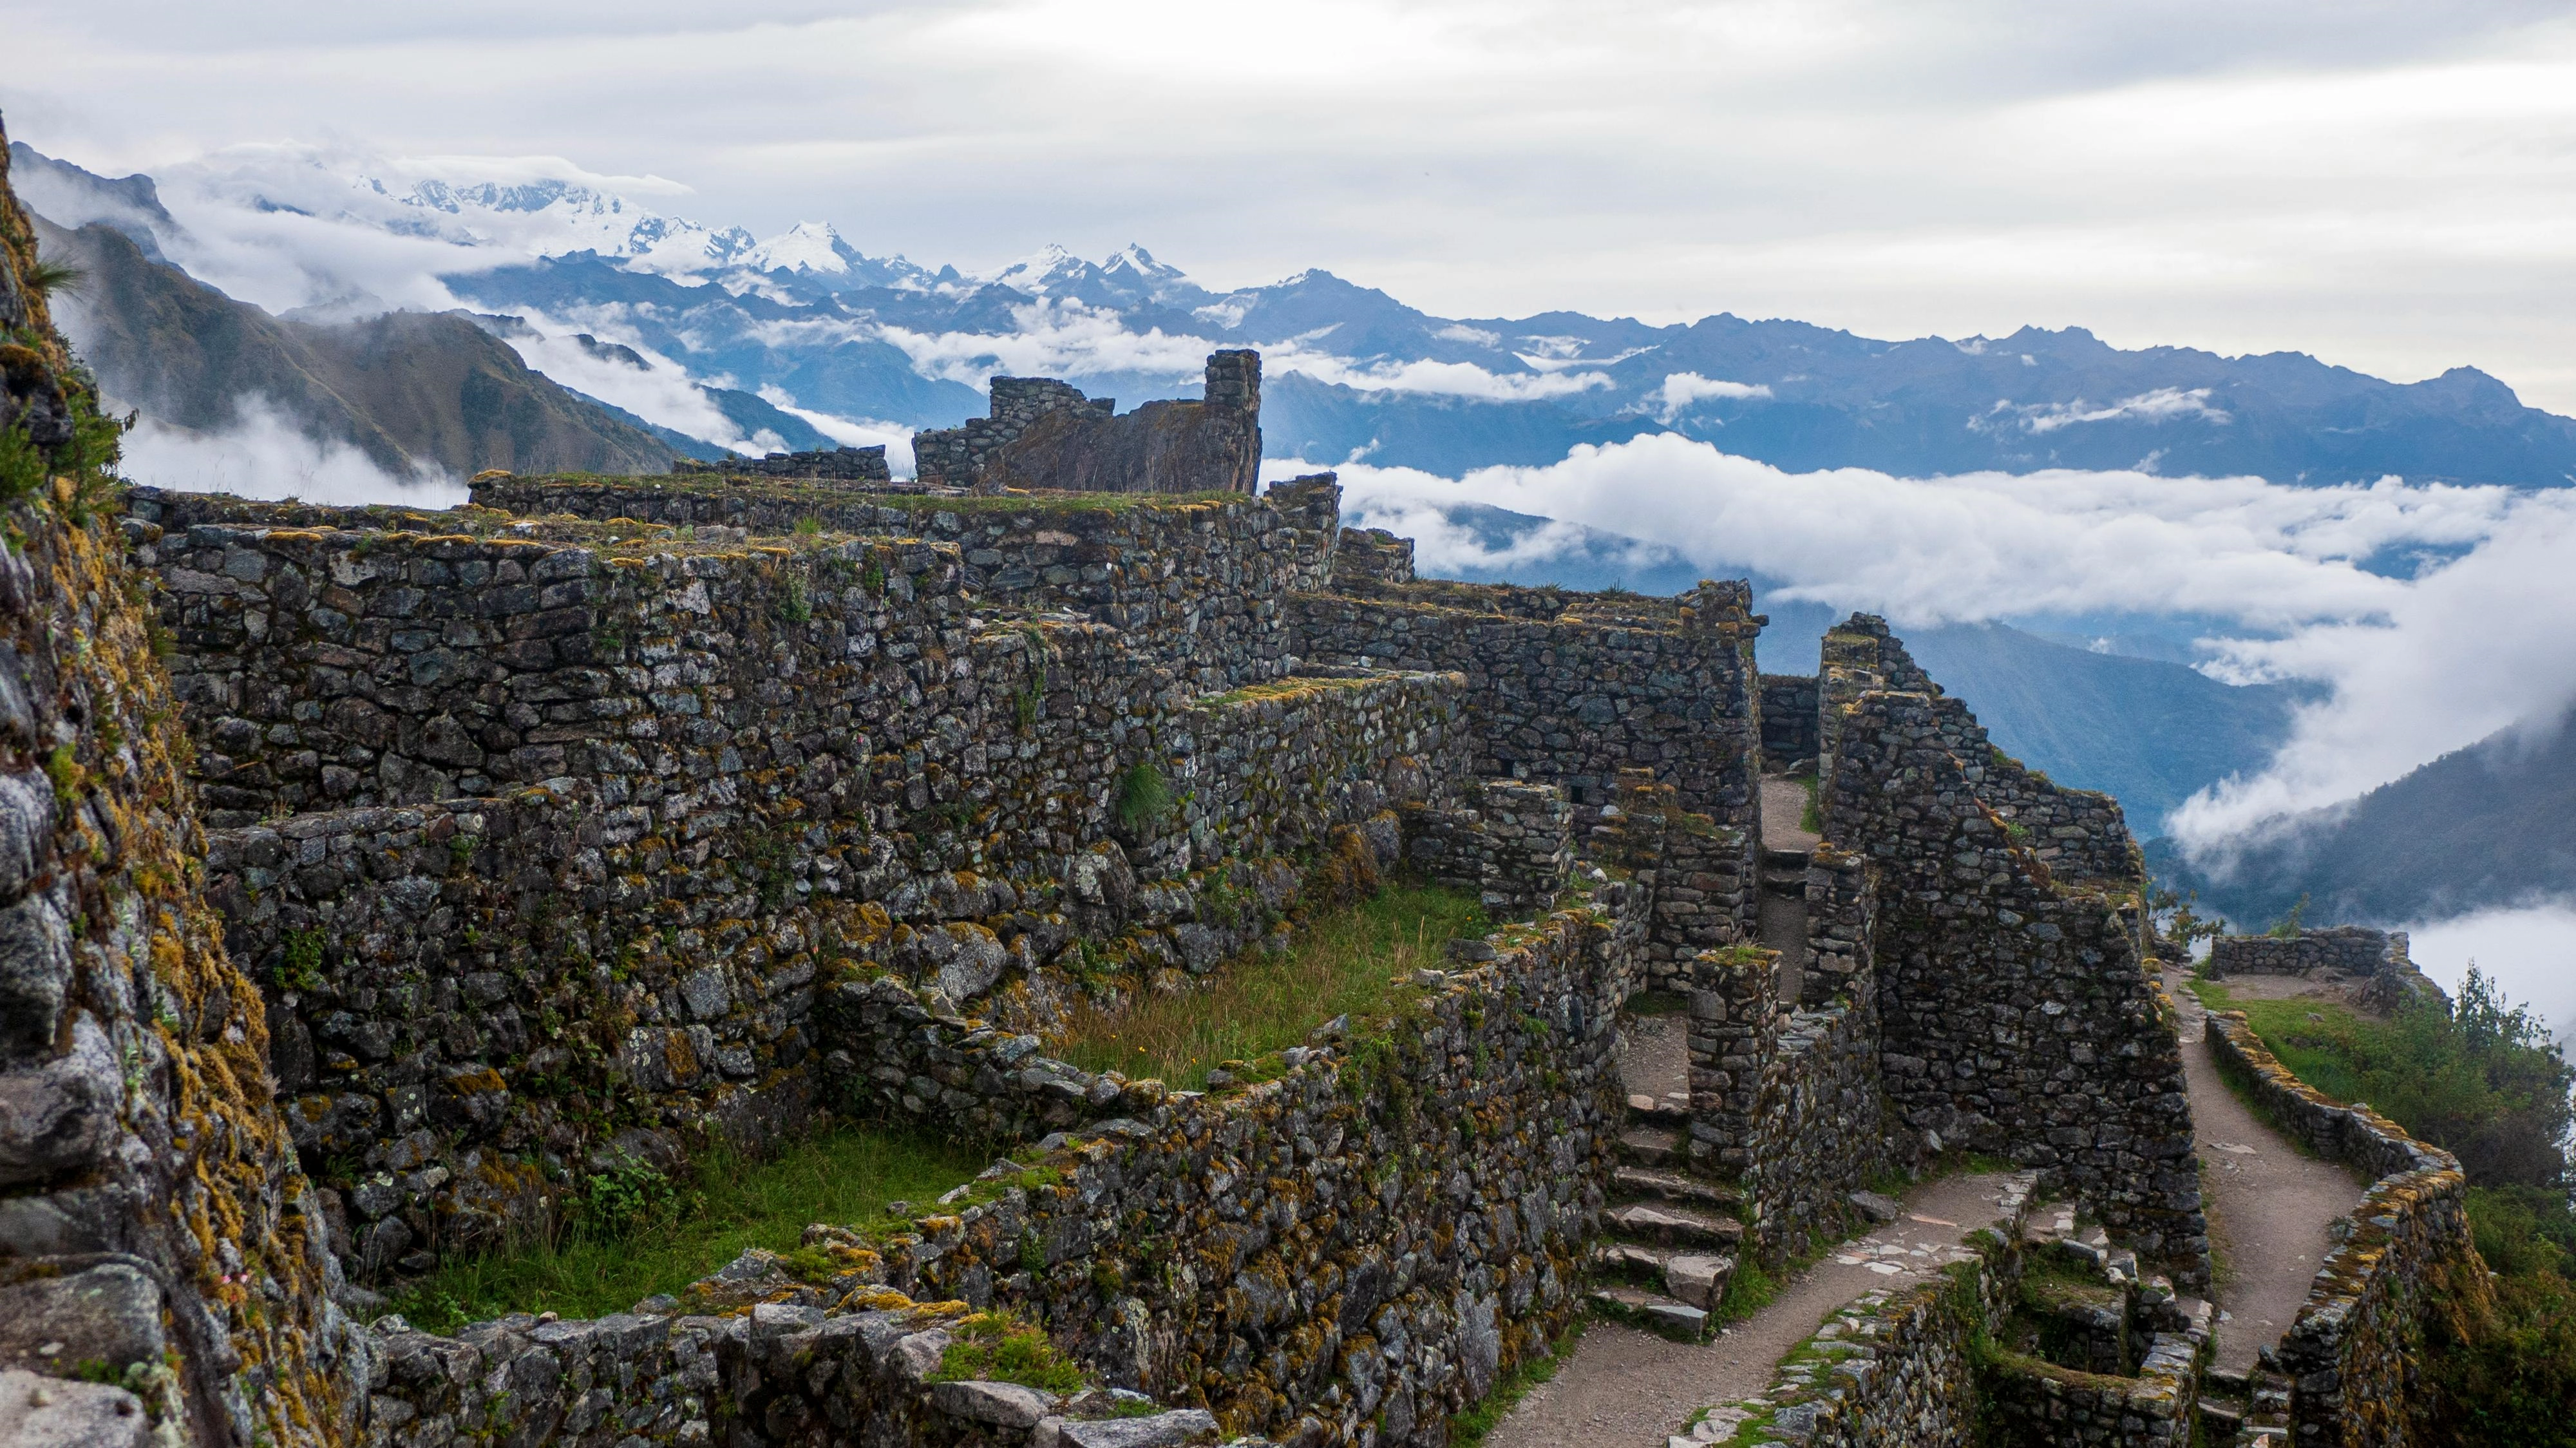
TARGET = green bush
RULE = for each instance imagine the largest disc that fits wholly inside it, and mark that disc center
(2480, 1078)
(1143, 798)
(2509, 1382)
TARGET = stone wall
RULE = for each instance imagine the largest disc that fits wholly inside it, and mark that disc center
(155, 1230)
(2354, 1354)
(1201, 583)
(1376, 555)
(540, 842)
(1045, 434)
(1696, 878)
(1509, 845)
(1789, 720)
(1557, 692)
(2016, 1015)
(2344, 949)
(1352, 1247)
(1785, 1103)
(844, 465)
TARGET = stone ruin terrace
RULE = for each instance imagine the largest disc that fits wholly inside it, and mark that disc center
(612, 816)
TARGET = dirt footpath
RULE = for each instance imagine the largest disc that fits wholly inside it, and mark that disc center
(1628, 1389)
(2268, 1205)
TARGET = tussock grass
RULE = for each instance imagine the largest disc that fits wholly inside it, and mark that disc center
(654, 1236)
(1343, 962)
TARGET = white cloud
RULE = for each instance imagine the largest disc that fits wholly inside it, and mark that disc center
(262, 455)
(894, 437)
(2164, 404)
(1052, 338)
(1681, 389)
(1448, 379)
(2414, 665)
(2529, 950)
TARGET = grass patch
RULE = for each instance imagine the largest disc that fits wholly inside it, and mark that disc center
(2480, 1078)
(641, 1238)
(1340, 963)
(1468, 1429)
(1811, 818)
(995, 1347)
(1657, 1003)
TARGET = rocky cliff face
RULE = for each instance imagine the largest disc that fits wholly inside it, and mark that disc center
(163, 1267)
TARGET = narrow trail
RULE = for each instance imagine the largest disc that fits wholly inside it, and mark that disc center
(2269, 1206)
(1626, 1387)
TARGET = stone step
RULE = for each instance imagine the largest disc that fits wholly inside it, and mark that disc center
(1651, 1146)
(1667, 1225)
(1774, 858)
(1673, 1110)
(1673, 1186)
(2219, 1419)
(1695, 1277)
(1653, 1311)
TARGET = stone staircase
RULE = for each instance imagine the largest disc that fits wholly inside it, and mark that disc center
(2244, 1410)
(1671, 1237)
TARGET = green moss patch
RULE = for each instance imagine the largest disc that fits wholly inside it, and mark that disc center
(647, 1236)
(1349, 961)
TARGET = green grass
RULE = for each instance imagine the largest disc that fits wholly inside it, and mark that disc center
(1811, 818)
(1343, 962)
(672, 1236)
(2479, 1079)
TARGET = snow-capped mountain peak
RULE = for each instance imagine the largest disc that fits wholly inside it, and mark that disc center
(808, 246)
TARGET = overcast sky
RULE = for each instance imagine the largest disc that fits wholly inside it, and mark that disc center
(2385, 185)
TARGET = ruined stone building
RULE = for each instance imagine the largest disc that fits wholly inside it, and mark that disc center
(1045, 434)
(373, 873)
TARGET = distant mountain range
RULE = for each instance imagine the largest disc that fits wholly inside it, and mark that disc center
(2487, 826)
(867, 348)
(411, 390)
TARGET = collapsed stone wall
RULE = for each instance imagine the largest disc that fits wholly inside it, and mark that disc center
(2016, 1017)
(1044, 434)
(2355, 1352)
(163, 1275)
(1559, 693)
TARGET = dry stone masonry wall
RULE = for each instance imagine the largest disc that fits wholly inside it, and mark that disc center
(2015, 1014)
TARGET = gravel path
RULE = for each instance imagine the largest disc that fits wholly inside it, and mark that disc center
(1784, 803)
(2268, 1205)
(1629, 1389)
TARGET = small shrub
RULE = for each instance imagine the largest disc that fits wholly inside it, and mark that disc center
(809, 527)
(795, 605)
(1143, 798)
(300, 968)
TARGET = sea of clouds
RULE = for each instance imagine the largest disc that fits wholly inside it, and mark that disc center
(2427, 616)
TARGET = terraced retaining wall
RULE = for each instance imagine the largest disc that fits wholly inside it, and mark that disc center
(735, 767)
(2015, 1015)
(2355, 1352)
(1351, 1249)
(1198, 581)
(1573, 688)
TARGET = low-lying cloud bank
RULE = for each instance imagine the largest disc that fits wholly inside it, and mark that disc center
(2530, 951)
(2432, 614)
(263, 455)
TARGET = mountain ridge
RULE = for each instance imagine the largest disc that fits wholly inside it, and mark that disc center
(888, 341)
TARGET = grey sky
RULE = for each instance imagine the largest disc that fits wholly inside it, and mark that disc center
(2387, 186)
